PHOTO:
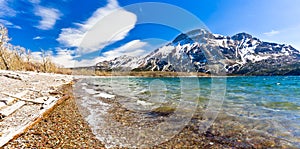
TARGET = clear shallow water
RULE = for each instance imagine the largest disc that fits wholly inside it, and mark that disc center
(272, 100)
(270, 105)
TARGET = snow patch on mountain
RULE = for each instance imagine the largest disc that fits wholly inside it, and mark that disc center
(199, 50)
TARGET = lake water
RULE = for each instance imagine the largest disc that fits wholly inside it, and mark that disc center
(266, 105)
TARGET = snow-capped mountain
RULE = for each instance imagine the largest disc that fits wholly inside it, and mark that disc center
(201, 51)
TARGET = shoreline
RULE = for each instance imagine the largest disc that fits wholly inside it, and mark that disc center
(62, 127)
(65, 127)
(25, 98)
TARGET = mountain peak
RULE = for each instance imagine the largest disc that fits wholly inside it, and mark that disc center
(182, 39)
(196, 32)
(192, 36)
(241, 36)
(199, 50)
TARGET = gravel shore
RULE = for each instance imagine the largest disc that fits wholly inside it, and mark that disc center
(62, 128)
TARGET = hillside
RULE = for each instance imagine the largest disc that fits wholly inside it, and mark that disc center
(201, 51)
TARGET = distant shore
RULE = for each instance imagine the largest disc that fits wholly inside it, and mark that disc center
(92, 72)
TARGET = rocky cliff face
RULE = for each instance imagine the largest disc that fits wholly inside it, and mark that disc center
(200, 51)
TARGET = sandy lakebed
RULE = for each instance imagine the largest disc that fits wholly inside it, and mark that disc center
(60, 124)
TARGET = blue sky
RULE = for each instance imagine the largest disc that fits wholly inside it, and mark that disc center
(79, 33)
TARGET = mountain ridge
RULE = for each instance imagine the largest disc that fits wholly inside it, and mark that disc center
(202, 51)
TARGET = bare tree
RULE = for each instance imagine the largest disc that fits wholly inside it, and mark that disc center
(28, 55)
(19, 52)
(45, 60)
(18, 58)
(3, 41)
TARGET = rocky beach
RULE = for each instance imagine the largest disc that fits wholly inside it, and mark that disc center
(64, 127)
(25, 98)
(61, 123)
(149, 74)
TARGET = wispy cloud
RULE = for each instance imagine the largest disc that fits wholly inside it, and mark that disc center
(86, 62)
(107, 25)
(66, 58)
(38, 55)
(69, 58)
(272, 33)
(133, 48)
(6, 11)
(288, 35)
(9, 24)
(49, 16)
(38, 38)
(35, 1)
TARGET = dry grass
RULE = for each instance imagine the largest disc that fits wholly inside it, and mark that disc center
(18, 58)
(16, 62)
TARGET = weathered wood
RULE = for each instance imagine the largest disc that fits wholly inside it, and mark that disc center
(34, 87)
(20, 131)
(32, 101)
(12, 76)
(19, 96)
(49, 102)
(8, 100)
(11, 109)
(2, 104)
(41, 100)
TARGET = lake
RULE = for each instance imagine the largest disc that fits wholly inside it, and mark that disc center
(142, 112)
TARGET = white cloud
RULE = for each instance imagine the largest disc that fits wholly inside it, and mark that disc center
(38, 38)
(87, 62)
(66, 58)
(38, 55)
(106, 26)
(69, 58)
(289, 36)
(49, 16)
(34, 1)
(272, 33)
(9, 24)
(133, 48)
(6, 11)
